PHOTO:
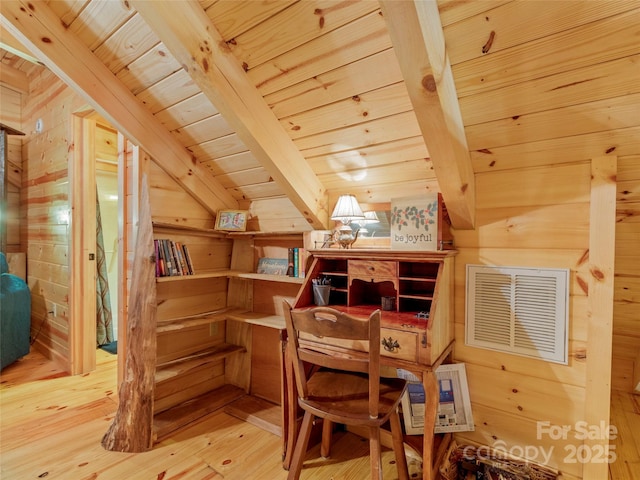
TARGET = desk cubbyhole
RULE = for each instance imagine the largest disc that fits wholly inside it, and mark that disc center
(412, 304)
(418, 269)
(334, 266)
(370, 293)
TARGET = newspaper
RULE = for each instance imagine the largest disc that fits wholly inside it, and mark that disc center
(454, 407)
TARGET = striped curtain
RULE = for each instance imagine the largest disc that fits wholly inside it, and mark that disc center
(104, 320)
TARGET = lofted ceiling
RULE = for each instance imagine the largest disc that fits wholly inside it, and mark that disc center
(249, 103)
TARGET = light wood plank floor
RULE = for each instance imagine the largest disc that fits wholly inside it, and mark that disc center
(51, 426)
(625, 415)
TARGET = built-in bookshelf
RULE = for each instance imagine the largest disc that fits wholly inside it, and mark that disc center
(172, 258)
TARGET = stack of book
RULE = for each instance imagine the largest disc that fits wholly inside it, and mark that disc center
(172, 258)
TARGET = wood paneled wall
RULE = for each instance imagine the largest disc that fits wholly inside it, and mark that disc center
(528, 217)
(534, 124)
(11, 115)
(626, 322)
(46, 185)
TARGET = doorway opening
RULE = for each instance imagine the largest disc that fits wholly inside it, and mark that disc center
(96, 180)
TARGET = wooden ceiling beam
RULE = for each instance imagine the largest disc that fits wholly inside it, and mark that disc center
(42, 32)
(418, 40)
(188, 33)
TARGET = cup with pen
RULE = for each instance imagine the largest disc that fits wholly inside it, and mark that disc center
(321, 290)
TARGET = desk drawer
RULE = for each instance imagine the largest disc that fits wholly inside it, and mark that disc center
(373, 269)
(400, 344)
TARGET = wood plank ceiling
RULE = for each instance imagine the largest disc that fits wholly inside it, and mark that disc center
(259, 101)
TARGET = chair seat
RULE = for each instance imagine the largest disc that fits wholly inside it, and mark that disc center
(343, 397)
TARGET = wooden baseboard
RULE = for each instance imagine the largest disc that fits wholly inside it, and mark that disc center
(60, 361)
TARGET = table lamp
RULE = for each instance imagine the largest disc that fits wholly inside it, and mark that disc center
(346, 210)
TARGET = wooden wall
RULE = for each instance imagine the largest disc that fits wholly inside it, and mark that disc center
(11, 115)
(527, 217)
(626, 322)
(534, 135)
(46, 184)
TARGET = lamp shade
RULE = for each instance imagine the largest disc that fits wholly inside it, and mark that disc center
(347, 209)
(370, 217)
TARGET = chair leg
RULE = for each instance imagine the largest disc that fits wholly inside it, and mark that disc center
(375, 453)
(398, 446)
(327, 434)
(301, 447)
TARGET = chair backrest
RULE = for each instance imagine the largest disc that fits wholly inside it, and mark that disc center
(326, 322)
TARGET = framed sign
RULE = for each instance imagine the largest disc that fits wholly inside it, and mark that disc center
(415, 222)
(454, 405)
(231, 220)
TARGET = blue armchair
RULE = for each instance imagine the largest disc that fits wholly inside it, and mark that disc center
(15, 315)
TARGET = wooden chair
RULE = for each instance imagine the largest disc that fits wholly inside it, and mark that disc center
(339, 388)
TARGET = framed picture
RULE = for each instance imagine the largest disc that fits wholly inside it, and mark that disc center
(231, 220)
(414, 222)
(454, 406)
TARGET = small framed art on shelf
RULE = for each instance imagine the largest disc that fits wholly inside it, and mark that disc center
(231, 220)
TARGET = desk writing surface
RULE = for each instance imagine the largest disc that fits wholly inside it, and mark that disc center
(401, 320)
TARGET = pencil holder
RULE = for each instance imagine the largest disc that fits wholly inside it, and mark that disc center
(321, 294)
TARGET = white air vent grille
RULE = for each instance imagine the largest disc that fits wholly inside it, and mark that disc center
(518, 310)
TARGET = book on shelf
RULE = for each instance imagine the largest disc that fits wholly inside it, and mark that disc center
(187, 258)
(273, 266)
(297, 258)
(172, 258)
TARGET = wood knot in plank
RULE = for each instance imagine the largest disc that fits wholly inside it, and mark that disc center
(597, 274)
(584, 258)
(584, 286)
(429, 83)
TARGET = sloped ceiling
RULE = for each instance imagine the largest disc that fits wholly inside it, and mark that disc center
(280, 106)
(243, 102)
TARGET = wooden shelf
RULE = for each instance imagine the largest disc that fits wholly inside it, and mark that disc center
(269, 278)
(171, 420)
(171, 324)
(229, 313)
(234, 274)
(265, 235)
(417, 296)
(188, 229)
(334, 274)
(418, 279)
(197, 276)
(174, 368)
(257, 318)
